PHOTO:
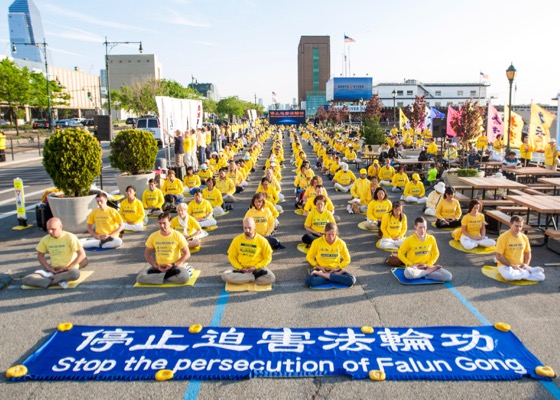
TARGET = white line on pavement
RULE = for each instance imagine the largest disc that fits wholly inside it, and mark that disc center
(10, 190)
(9, 214)
(27, 195)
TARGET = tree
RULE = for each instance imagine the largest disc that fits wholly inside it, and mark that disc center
(417, 113)
(39, 96)
(15, 87)
(372, 131)
(469, 122)
(374, 108)
(139, 97)
(321, 114)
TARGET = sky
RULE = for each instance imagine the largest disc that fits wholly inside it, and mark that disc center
(249, 47)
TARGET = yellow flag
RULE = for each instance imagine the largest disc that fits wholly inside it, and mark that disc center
(516, 128)
(539, 127)
(403, 120)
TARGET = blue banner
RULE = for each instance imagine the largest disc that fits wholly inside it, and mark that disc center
(133, 353)
(349, 89)
(286, 117)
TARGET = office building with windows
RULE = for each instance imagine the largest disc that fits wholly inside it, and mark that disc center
(24, 21)
(314, 66)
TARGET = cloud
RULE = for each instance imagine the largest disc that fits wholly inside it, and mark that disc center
(85, 17)
(203, 43)
(176, 18)
(69, 32)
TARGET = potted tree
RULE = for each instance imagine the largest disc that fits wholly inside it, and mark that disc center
(72, 158)
(133, 153)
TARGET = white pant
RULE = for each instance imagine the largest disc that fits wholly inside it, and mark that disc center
(372, 225)
(527, 273)
(385, 183)
(412, 199)
(207, 222)
(342, 188)
(430, 211)
(470, 244)
(218, 211)
(134, 227)
(390, 244)
(89, 243)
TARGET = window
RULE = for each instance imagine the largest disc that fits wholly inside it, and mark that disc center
(461, 103)
(399, 92)
(400, 104)
(473, 92)
(409, 93)
(449, 103)
(438, 104)
(438, 92)
(459, 93)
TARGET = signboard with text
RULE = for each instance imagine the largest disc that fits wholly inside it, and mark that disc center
(286, 117)
(349, 89)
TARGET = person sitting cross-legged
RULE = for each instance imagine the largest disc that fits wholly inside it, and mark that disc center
(67, 256)
(513, 253)
(132, 211)
(419, 252)
(249, 254)
(473, 228)
(108, 225)
(171, 253)
(393, 227)
(188, 226)
(329, 257)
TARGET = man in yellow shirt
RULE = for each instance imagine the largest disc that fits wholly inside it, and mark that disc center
(329, 257)
(226, 186)
(171, 253)
(551, 155)
(67, 256)
(249, 254)
(172, 188)
(132, 211)
(513, 253)
(432, 149)
(419, 253)
(108, 226)
(152, 198)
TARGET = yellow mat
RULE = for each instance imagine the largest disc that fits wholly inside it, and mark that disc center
(190, 282)
(387, 250)
(362, 225)
(224, 214)
(210, 228)
(299, 211)
(492, 272)
(128, 231)
(303, 248)
(194, 249)
(443, 229)
(247, 287)
(71, 285)
(477, 250)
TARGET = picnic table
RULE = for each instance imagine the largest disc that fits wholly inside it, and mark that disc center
(530, 172)
(485, 183)
(554, 182)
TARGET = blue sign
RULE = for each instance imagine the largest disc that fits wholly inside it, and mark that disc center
(286, 117)
(349, 89)
(134, 353)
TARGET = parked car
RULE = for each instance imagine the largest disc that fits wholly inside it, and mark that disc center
(131, 121)
(66, 123)
(88, 122)
(40, 124)
(150, 124)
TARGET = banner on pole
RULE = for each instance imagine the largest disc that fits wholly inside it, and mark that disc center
(137, 353)
(20, 199)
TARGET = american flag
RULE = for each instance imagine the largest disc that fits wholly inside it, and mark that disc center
(484, 76)
(274, 93)
(348, 39)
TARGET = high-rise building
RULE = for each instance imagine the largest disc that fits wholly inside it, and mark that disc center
(25, 25)
(314, 65)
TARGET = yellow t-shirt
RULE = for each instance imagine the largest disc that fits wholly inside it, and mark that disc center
(62, 250)
(191, 181)
(432, 148)
(386, 173)
(328, 256)
(214, 197)
(414, 189)
(192, 225)
(175, 187)
(415, 251)
(249, 253)
(167, 248)
(317, 221)
(526, 151)
(200, 210)
(106, 221)
(152, 198)
(264, 221)
(225, 186)
(377, 209)
(400, 179)
(133, 212)
(512, 248)
(445, 209)
(393, 227)
(473, 224)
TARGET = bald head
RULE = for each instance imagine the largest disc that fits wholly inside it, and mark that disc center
(249, 227)
(54, 227)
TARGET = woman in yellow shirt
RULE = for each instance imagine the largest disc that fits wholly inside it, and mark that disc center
(393, 227)
(448, 210)
(316, 220)
(264, 220)
(188, 226)
(377, 208)
(472, 232)
(526, 151)
(191, 181)
(329, 257)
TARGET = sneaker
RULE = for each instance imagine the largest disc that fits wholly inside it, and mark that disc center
(260, 272)
(63, 284)
(44, 274)
(281, 247)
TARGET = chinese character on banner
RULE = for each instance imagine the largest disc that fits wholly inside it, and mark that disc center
(230, 340)
(162, 343)
(285, 340)
(106, 341)
(472, 341)
(347, 341)
(410, 340)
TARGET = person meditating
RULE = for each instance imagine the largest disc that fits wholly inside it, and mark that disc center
(513, 253)
(393, 227)
(108, 225)
(249, 254)
(188, 226)
(171, 253)
(329, 257)
(377, 208)
(448, 210)
(419, 252)
(67, 256)
(316, 220)
(472, 232)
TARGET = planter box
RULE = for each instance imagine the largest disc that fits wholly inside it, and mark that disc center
(140, 182)
(72, 211)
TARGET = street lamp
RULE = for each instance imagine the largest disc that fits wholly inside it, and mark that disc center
(394, 93)
(43, 47)
(510, 73)
(107, 50)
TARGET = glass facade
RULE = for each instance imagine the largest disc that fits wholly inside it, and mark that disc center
(313, 101)
(25, 25)
(315, 69)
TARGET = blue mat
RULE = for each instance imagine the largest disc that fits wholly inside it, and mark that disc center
(330, 285)
(399, 274)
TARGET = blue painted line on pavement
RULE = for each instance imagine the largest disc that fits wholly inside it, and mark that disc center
(194, 386)
(550, 386)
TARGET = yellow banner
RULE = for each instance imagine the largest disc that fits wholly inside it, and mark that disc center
(516, 128)
(20, 198)
(539, 127)
(403, 120)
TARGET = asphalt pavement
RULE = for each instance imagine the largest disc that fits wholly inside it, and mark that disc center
(108, 298)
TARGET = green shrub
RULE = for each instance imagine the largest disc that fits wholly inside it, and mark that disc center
(72, 158)
(372, 131)
(467, 173)
(133, 151)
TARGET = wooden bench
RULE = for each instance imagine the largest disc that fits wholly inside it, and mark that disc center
(503, 218)
(462, 198)
(497, 203)
(462, 188)
(517, 192)
(533, 192)
(512, 209)
(554, 234)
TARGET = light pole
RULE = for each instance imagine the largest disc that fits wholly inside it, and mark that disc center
(510, 73)
(107, 50)
(394, 93)
(43, 47)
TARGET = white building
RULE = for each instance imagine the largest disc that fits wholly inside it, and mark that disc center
(437, 94)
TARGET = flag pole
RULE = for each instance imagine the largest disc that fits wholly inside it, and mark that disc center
(349, 71)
